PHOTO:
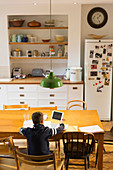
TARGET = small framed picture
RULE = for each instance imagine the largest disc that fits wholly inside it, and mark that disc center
(94, 61)
(94, 66)
(93, 73)
(91, 53)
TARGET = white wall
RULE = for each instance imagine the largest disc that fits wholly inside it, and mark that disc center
(87, 29)
(74, 32)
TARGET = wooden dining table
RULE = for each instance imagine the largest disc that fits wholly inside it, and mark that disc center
(12, 120)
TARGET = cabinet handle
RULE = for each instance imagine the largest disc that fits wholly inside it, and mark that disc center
(21, 95)
(51, 95)
(0, 88)
(75, 88)
(51, 102)
(21, 87)
(22, 103)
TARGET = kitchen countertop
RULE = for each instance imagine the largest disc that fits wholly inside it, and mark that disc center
(36, 80)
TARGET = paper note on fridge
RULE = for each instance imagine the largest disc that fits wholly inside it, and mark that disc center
(91, 129)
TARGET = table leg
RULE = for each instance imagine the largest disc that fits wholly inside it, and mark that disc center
(100, 151)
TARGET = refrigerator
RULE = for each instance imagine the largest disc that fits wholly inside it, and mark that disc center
(98, 76)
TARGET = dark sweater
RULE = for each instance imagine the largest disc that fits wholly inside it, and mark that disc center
(37, 137)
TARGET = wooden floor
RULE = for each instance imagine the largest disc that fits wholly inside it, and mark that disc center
(107, 165)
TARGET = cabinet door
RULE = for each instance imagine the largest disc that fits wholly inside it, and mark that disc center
(75, 92)
(23, 94)
(3, 95)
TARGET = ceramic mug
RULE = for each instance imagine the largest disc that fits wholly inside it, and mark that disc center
(33, 39)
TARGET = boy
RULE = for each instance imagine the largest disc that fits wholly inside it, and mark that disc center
(38, 136)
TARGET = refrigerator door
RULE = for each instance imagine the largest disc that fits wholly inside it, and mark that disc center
(98, 77)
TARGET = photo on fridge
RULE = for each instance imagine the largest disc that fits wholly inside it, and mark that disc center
(93, 66)
(91, 53)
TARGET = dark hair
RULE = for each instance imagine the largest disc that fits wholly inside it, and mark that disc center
(37, 117)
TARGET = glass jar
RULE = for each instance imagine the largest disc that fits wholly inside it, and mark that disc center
(60, 51)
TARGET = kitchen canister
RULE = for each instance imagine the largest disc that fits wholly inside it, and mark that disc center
(75, 73)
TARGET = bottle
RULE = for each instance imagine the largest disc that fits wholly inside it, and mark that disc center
(60, 51)
(68, 73)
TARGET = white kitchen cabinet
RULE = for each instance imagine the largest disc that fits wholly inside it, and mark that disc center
(57, 97)
(22, 94)
(35, 95)
(3, 95)
(75, 92)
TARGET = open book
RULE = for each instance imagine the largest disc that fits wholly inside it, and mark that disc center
(91, 129)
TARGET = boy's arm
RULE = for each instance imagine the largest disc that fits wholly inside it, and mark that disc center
(22, 131)
(54, 131)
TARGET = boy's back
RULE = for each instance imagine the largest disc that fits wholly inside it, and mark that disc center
(38, 139)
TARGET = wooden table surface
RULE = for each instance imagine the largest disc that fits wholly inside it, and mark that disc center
(12, 120)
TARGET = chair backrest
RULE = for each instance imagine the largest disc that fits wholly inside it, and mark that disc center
(78, 143)
(36, 160)
(43, 108)
(21, 106)
(82, 104)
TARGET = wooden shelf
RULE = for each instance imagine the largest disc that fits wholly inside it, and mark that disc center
(15, 58)
(15, 28)
(26, 43)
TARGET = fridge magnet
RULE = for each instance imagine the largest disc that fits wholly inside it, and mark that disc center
(91, 78)
(93, 73)
(98, 55)
(96, 84)
(107, 58)
(103, 68)
(91, 53)
(107, 65)
(109, 54)
(94, 66)
(96, 47)
(101, 46)
(99, 71)
(110, 63)
(94, 61)
(100, 82)
(98, 78)
(93, 84)
(103, 64)
(106, 82)
(99, 89)
(104, 51)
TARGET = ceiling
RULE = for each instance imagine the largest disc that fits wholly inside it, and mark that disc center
(16, 2)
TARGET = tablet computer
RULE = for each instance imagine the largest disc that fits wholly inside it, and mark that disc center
(57, 115)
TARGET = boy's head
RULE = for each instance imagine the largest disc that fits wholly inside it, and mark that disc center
(37, 118)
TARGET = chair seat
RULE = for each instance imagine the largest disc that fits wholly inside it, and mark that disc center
(80, 152)
(49, 167)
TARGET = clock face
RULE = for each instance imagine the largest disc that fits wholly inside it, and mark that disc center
(97, 17)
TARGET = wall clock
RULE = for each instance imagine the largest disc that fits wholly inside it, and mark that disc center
(97, 17)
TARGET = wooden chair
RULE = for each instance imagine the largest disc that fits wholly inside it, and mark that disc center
(43, 108)
(7, 149)
(49, 161)
(83, 106)
(21, 106)
(78, 145)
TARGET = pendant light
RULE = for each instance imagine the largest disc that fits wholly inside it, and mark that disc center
(51, 81)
